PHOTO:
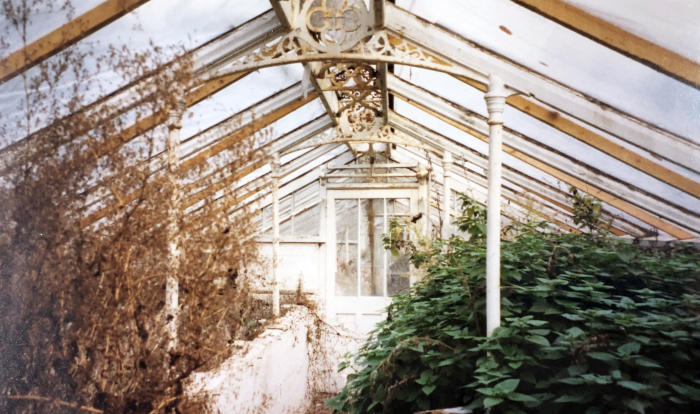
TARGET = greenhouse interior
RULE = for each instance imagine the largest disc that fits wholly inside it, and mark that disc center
(350, 206)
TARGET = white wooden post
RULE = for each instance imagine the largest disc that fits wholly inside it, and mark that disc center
(275, 166)
(323, 277)
(446, 194)
(173, 230)
(495, 104)
(424, 194)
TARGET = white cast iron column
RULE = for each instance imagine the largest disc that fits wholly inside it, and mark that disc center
(495, 104)
(275, 234)
(446, 194)
(171, 283)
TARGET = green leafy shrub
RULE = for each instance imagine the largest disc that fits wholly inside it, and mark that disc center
(587, 210)
(590, 325)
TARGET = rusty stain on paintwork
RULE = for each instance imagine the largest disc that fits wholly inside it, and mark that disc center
(505, 30)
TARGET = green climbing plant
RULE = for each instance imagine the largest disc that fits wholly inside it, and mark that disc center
(590, 325)
(586, 209)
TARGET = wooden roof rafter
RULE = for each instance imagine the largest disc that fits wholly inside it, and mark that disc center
(558, 165)
(220, 50)
(476, 161)
(466, 185)
(587, 110)
(212, 148)
(616, 38)
(543, 98)
(595, 191)
(65, 36)
(195, 143)
(590, 137)
(451, 112)
(472, 123)
(280, 145)
(299, 169)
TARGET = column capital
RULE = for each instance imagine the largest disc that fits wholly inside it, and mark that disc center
(447, 158)
(496, 99)
(275, 166)
(447, 162)
(422, 172)
(176, 113)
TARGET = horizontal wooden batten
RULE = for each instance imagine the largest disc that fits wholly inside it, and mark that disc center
(510, 196)
(279, 145)
(248, 130)
(151, 121)
(201, 156)
(511, 177)
(192, 145)
(219, 50)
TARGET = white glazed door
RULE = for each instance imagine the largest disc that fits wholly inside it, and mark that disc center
(364, 275)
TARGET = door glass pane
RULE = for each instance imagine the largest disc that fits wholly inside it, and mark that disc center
(398, 272)
(361, 224)
(397, 207)
(346, 247)
(371, 250)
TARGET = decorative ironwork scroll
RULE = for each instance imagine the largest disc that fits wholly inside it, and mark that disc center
(358, 92)
(341, 34)
(338, 31)
(336, 25)
(355, 84)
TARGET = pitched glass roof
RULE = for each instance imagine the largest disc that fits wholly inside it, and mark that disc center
(646, 99)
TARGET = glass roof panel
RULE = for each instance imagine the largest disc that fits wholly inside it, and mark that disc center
(672, 24)
(417, 115)
(580, 151)
(471, 98)
(43, 18)
(243, 93)
(548, 48)
(170, 24)
(459, 92)
(165, 22)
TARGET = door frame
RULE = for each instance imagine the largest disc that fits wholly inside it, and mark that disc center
(374, 305)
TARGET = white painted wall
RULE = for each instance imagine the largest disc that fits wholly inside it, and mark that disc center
(278, 371)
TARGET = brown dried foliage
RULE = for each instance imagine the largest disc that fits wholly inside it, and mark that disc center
(82, 320)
